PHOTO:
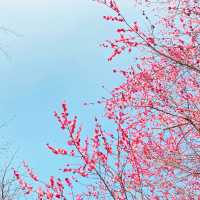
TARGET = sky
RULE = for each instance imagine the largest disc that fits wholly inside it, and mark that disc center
(50, 53)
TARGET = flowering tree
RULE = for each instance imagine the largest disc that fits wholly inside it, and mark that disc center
(153, 153)
(9, 187)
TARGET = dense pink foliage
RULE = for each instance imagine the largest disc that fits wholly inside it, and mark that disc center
(153, 153)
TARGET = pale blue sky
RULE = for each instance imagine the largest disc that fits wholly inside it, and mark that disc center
(56, 57)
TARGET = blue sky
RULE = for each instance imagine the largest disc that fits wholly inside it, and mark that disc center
(54, 56)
